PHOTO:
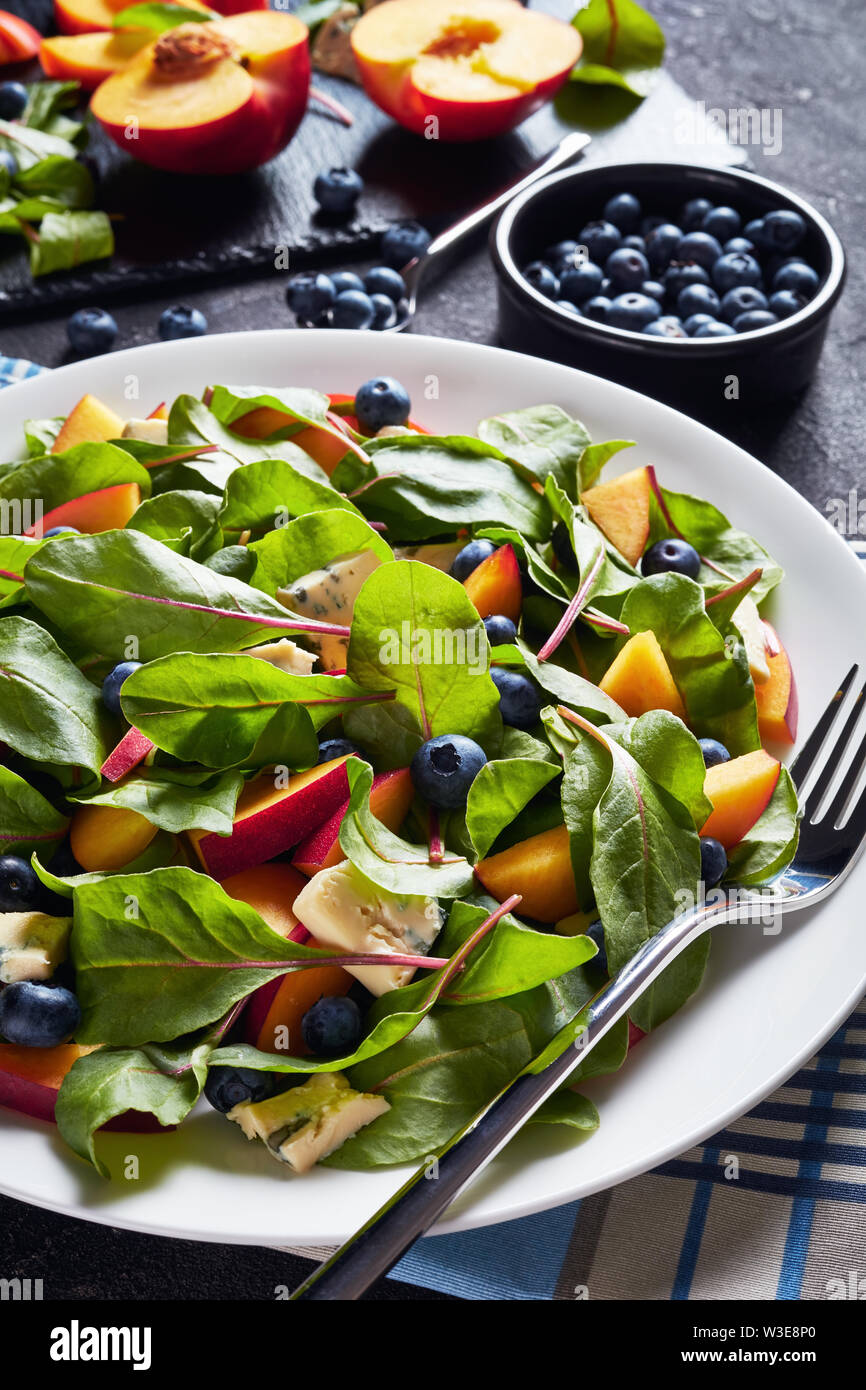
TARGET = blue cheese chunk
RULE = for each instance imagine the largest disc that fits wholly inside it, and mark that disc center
(305, 1124)
(328, 595)
(149, 431)
(285, 655)
(32, 945)
(342, 908)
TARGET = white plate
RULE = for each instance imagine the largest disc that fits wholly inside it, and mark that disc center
(768, 1002)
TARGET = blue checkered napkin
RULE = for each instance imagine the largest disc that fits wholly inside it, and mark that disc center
(793, 1226)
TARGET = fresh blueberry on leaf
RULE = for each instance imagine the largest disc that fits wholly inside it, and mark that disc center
(444, 768)
(403, 242)
(352, 309)
(714, 861)
(227, 1087)
(13, 99)
(181, 321)
(20, 888)
(338, 190)
(332, 1027)
(379, 402)
(519, 704)
(331, 748)
(113, 683)
(624, 211)
(469, 558)
(671, 556)
(309, 293)
(91, 331)
(713, 752)
(500, 630)
(33, 1014)
(382, 279)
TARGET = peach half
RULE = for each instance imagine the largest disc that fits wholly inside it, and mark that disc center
(462, 72)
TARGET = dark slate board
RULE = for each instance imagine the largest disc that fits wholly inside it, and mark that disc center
(172, 229)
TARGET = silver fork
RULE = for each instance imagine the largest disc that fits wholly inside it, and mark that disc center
(828, 849)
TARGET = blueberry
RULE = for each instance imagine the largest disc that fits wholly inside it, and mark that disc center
(756, 233)
(696, 321)
(581, 282)
(713, 751)
(596, 308)
(783, 230)
(654, 288)
(562, 546)
(623, 210)
(381, 401)
(352, 309)
(732, 270)
(181, 321)
(595, 932)
(566, 252)
(661, 243)
(775, 262)
(332, 1027)
(384, 312)
(714, 330)
(680, 274)
(694, 213)
(697, 299)
(91, 330)
(331, 748)
(569, 308)
(403, 242)
(519, 704)
(235, 560)
(20, 889)
(699, 248)
(722, 223)
(227, 1087)
(671, 556)
(60, 531)
(753, 319)
(635, 243)
(649, 224)
(741, 300)
(9, 163)
(626, 269)
(338, 190)
(500, 630)
(632, 311)
(542, 278)
(606, 288)
(13, 99)
(112, 684)
(739, 245)
(469, 558)
(796, 276)
(784, 303)
(600, 239)
(33, 1014)
(665, 328)
(714, 861)
(346, 280)
(383, 279)
(444, 768)
(309, 292)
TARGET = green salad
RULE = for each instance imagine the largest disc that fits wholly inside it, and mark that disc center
(343, 763)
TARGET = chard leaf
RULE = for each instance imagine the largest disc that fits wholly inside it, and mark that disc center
(268, 492)
(593, 459)
(191, 422)
(191, 518)
(27, 820)
(544, 439)
(567, 1107)
(771, 843)
(727, 553)
(499, 793)
(309, 543)
(39, 435)
(671, 756)
(511, 959)
(15, 551)
(49, 711)
(623, 46)
(57, 478)
(68, 239)
(176, 799)
(573, 690)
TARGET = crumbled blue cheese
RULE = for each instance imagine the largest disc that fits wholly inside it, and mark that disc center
(32, 945)
(305, 1124)
(342, 908)
(285, 655)
(328, 595)
(150, 431)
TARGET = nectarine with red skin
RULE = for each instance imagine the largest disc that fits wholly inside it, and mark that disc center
(495, 585)
(390, 798)
(132, 749)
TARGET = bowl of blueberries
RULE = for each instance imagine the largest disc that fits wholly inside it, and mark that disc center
(672, 278)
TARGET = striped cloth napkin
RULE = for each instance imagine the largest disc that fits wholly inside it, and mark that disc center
(792, 1227)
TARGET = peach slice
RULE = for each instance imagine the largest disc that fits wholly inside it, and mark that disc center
(90, 58)
(19, 41)
(213, 98)
(30, 1078)
(540, 870)
(91, 421)
(740, 791)
(109, 509)
(639, 678)
(132, 749)
(621, 510)
(390, 798)
(777, 700)
(271, 818)
(495, 587)
(108, 837)
(271, 890)
(461, 72)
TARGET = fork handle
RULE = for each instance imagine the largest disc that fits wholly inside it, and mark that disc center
(422, 1199)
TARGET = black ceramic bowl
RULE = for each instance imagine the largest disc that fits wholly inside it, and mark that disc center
(768, 363)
